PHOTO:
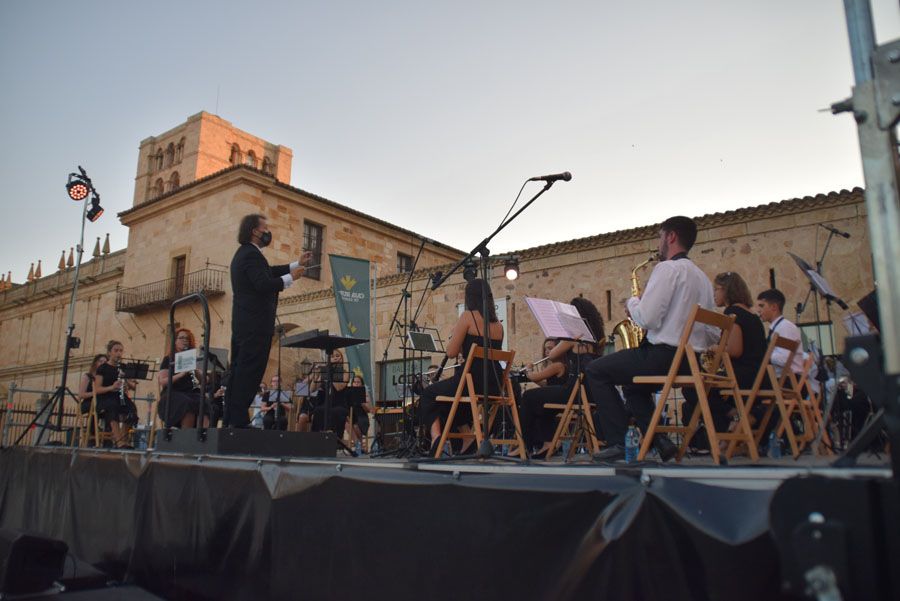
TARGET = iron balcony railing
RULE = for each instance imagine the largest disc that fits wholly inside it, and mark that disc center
(161, 294)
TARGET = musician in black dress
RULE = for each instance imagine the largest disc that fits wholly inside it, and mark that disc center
(275, 406)
(86, 388)
(180, 406)
(255, 285)
(469, 330)
(338, 411)
(539, 422)
(113, 403)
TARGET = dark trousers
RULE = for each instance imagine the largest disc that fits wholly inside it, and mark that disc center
(430, 408)
(605, 373)
(250, 354)
(538, 422)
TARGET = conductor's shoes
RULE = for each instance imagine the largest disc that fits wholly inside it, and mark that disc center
(665, 447)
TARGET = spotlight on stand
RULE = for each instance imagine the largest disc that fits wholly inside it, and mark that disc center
(96, 210)
(511, 268)
(78, 189)
(470, 271)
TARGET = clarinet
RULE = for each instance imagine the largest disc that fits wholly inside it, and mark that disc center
(194, 380)
(122, 401)
(440, 369)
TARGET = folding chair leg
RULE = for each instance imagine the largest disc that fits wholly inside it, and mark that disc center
(445, 431)
(651, 429)
(592, 434)
(518, 426)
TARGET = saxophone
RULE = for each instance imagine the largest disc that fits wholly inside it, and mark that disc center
(627, 331)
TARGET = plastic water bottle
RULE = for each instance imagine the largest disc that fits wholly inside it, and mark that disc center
(632, 444)
(566, 445)
(774, 446)
(358, 448)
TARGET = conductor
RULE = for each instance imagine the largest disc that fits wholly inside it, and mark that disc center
(255, 286)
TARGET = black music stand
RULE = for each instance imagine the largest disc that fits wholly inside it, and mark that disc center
(322, 340)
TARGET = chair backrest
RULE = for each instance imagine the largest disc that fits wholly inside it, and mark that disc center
(493, 355)
(705, 318)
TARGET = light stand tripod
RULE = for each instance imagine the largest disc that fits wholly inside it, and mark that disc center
(79, 187)
(486, 450)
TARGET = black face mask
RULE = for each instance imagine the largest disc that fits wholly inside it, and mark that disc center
(265, 239)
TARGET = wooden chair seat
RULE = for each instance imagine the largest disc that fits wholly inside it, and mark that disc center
(577, 409)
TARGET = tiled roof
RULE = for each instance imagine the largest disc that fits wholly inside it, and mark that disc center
(316, 197)
(772, 209)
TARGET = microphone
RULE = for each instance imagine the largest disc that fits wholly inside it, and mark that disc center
(834, 230)
(564, 176)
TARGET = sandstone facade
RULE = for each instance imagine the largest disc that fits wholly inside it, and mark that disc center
(196, 223)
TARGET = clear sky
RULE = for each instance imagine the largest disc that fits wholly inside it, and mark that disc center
(431, 114)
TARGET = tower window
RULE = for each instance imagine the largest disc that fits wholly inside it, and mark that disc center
(235, 154)
(170, 155)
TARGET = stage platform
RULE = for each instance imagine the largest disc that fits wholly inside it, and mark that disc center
(197, 526)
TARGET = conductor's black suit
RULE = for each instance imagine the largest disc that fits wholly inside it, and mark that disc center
(255, 285)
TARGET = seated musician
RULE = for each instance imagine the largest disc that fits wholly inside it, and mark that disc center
(469, 330)
(86, 388)
(313, 412)
(746, 344)
(274, 408)
(538, 422)
(675, 287)
(179, 404)
(113, 403)
(362, 407)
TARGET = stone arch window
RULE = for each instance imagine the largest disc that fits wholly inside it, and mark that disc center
(179, 151)
(174, 182)
(235, 154)
(251, 159)
(151, 163)
(159, 159)
(158, 188)
(170, 155)
(267, 166)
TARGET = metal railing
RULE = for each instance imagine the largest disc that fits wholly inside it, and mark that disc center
(155, 295)
(21, 405)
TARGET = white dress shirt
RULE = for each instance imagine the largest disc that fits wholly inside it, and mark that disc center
(785, 328)
(672, 292)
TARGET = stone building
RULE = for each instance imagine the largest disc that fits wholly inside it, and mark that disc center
(195, 182)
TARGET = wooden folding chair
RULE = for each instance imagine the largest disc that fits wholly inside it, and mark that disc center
(580, 411)
(95, 426)
(465, 392)
(811, 402)
(703, 379)
(782, 389)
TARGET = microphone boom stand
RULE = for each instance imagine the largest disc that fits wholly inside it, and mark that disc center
(486, 450)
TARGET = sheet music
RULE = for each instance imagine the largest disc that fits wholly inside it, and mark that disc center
(856, 323)
(820, 283)
(558, 320)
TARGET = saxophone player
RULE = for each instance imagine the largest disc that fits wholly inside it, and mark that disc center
(676, 284)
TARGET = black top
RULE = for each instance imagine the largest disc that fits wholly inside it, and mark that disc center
(184, 384)
(110, 374)
(575, 364)
(255, 286)
(477, 369)
(754, 338)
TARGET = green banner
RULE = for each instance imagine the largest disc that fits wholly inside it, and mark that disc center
(352, 295)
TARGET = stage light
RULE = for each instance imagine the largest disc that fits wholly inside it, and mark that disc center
(96, 210)
(470, 271)
(511, 268)
(78, 190)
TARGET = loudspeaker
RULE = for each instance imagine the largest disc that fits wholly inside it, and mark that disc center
(29, 563)
(249, 441)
